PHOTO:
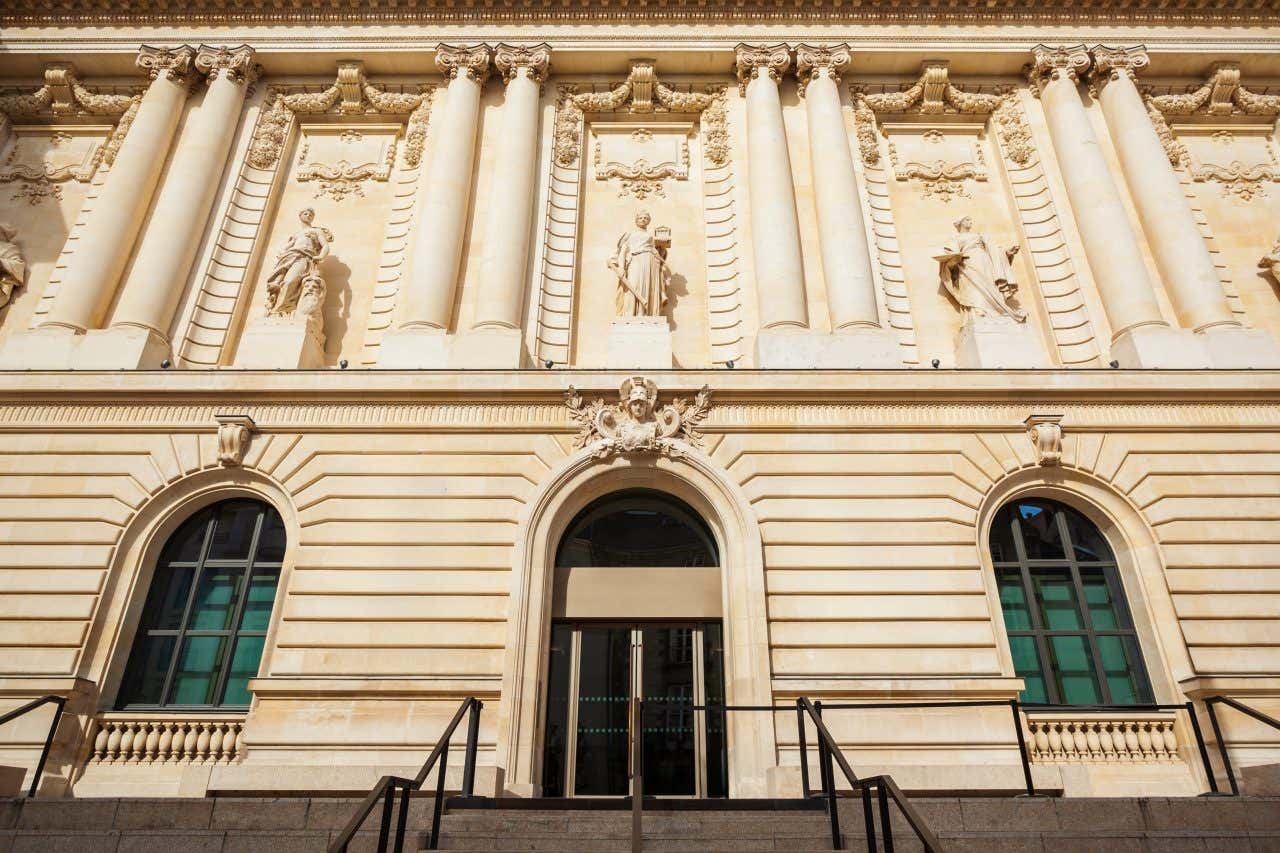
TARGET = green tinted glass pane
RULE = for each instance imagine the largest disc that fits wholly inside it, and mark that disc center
(1038, 522)
(185, 545)
(233, 531)
(262, 594)
(144, 682)
(271, 540)
(1002, 548)
(1073, 669)
(196, 677)
(167, 600)
(1026, 662)
(1120, 664)
(1097, 595)
(1086, 541)
(244, 665)
(1056, 597)
(215, 602)
(1013, 600)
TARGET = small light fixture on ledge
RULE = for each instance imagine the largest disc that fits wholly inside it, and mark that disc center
(729, 364)
(935, 363)
(548, 364)
(342, 364)
(166, 364)
(1114, 364)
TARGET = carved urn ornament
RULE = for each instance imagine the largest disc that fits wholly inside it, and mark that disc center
(636, 423)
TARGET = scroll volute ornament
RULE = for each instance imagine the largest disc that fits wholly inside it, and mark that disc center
(535, 59)
(1110, 63)
(811, 61)
(234, 63)
(1045, 432)
(474, 61)
(750, 61)
(234, 432)
(1052, 63)
(175, 64)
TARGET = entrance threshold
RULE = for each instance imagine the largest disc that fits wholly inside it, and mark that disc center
(651, 804)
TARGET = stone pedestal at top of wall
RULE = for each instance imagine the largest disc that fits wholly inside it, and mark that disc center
(991, 342)
(487, 349)
(1158, 346)
(280, 342)
(639, 343)
(801, 349)
(60, 348)
(1233, 348)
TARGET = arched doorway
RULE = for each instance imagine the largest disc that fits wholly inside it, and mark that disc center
(636, 611)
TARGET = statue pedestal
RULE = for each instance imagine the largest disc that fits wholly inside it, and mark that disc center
(989, 342)
(803, 349)
(279, 342)
(55, 348)
(487, 349)
(1153, 346)
(639, 343)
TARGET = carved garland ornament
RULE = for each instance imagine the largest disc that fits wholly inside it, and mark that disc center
(1220, 95)
(636, 424)
(64, 95)
(351, 94)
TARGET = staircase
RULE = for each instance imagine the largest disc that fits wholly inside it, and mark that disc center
(308, 824)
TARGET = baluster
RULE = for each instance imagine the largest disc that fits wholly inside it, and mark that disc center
(126, 742)
(190, 740)
(202, 743)
(164, 749)
(1144, 739)
(100, 740)
(153, 740)
(1107, 741)
(1169, 733)
(1080, 740)
(113, 742)
(1055, 740)
(239, 749)
(1095, 742)
(1130, 742)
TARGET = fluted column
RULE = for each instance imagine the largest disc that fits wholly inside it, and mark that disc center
(441, 217)
(107, 239)
(846, 259)
(775, 231)
(1110, 242)
(506, 247)
(181, 212)
(1175, 239)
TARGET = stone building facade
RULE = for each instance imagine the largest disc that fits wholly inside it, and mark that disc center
(359, 358)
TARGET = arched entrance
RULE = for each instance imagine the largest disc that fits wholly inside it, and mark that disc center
(636, 614)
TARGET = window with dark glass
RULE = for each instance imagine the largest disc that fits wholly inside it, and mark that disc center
(637, 528)
(205, 620)
(1070, 631)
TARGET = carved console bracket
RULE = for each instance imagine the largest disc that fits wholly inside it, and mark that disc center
(1045, 432)
(636, 423)
(234, 432)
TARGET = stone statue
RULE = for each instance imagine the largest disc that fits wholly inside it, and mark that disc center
(13, 268)
(636, 423)
(295, 286)
(640, 263)
(977, 275)
(1270, 262)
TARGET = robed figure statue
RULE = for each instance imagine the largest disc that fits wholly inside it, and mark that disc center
(296, 265)
(13, 267)
(978, 275)
(640, 263)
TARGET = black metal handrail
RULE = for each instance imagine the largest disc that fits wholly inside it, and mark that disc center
(1217, 732)
(385, 789)
(829, 754)
(60, 702)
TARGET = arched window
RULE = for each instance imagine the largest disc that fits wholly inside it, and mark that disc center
(1069, 627)
(205, 621)
(637, 527)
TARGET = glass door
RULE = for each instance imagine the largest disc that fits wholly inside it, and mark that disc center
(596, 670)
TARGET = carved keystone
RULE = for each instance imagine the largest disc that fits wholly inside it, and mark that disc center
(234, 432)
(1045, 432)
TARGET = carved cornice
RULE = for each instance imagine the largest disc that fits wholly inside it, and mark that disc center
(910, 12)
(1054, 63)
(474, 62)
(812, 60)
(1112, 63)
(234, 63)
(535, 59)
(171, 63)
(750, 60)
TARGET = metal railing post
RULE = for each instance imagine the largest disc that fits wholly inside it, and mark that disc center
(1022, 748)
(59, 703)
(886, 829)
(402, 818)
(1222, 746)
(439, 804)
(1204, 753)
(868, 819)
(384, 827)
(804, 750)
(473, 738)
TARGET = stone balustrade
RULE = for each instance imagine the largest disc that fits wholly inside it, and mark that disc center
(1146, 738)
(121, 738)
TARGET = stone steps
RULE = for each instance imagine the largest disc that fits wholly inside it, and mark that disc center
(309, 824)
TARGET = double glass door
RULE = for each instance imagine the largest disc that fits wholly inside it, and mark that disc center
(595, 672)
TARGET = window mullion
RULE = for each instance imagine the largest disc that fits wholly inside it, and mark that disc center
(1086, 618)
(186, 611)
(228, 653)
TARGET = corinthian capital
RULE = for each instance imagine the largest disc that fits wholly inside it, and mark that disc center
(1053, 63)
(1111, 63)
(811, 61)
(473, 61)
(234, 63)
(751, 60)
(173, 63)
(534, 58)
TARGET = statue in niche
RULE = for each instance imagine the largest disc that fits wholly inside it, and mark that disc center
(1270, 262)
(640, 263)
(13, 267)
(978, 276)
(295, 287)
